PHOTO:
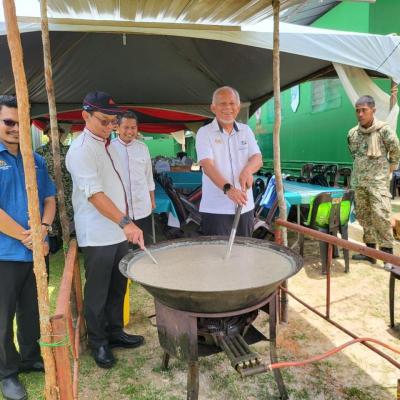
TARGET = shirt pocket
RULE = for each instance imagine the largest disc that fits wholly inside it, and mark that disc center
(139, 168)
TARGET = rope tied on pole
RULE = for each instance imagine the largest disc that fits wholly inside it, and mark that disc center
(64, 341)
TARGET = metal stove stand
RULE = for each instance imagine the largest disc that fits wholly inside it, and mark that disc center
(189, 335)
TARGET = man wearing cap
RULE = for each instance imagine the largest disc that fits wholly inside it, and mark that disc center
(229, 155)
(138, 173)
(18, 294)
(103, 227)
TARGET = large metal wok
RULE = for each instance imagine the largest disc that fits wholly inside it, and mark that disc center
(236, 290)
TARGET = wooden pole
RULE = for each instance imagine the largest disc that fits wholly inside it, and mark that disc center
(278, 118)
(277, 150)
(55, 135)
(393, 94)
(14, 43)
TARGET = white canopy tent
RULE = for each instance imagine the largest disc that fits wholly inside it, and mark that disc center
(235, 55)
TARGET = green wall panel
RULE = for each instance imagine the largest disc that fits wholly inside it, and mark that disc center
(165, 146)
(317, 130)
(346, 17)
(384, 17)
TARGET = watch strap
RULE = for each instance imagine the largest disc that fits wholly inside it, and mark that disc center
(125, 220)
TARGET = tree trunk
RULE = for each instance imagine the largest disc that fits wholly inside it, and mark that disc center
(55, 135)
(14, 43)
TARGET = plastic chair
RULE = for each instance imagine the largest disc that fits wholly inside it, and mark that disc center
(258, 188)
(317, 169)
(345, 175)
(324, 216)
(395, 183)
(269, 201)
(345, 211)
(330, 173)
(306, 170)
(302, 179)
(394, 275)
(319, 179)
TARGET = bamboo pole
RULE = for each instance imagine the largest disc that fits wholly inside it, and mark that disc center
(277, 150)
(55, 135)
(39, 267)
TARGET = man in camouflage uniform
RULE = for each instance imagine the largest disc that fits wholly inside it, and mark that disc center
(46, 153)
(374, 147)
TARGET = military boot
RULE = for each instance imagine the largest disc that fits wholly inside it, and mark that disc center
(388, 250)
(362, 257)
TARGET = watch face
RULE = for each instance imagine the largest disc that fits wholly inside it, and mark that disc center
(227, 186)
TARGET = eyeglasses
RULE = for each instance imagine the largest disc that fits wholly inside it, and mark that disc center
(10, 123)
(105, 122)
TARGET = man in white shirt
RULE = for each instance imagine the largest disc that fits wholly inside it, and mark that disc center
(229, 155)
(103, 227)
(137, 172)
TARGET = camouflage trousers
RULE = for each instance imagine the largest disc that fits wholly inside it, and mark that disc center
(373, 210)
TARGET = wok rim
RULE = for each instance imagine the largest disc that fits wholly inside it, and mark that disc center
(258, 243)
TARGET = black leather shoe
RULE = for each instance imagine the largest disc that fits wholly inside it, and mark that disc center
(123, 339)
(13, 389)
(103, 356)
(37, 366)
(362, 257)
(386, 265)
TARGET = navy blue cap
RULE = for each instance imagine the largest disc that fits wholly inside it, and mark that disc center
(102, 102)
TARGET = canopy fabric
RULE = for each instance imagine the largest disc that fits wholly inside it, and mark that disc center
(158, 65)
(226, 12)
(151, 120)
(357, 83)
(232, 12)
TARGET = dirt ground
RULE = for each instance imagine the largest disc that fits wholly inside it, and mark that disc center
(359, 302)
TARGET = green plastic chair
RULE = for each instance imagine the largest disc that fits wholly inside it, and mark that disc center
(329, 215)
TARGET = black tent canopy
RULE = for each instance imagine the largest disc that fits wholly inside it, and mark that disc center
(149, 70)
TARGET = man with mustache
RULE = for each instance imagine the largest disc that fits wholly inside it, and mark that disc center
(229, 155)
(103, 227)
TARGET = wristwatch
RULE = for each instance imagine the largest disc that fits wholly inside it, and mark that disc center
(125, 220)
(227, 187)
(49, 228)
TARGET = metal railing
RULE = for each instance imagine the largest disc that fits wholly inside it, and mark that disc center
(332, 241)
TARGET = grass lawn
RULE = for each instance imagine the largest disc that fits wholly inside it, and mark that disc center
(359, 301)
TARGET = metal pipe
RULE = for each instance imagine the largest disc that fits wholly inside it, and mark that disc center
(242, 350)
(226, 348)
(370, 252)
(328, 281)
(373, 348)
(234, 350)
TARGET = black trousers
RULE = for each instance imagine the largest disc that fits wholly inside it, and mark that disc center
(104, 291)
(145, 225)
(221, 224)
(18, 296)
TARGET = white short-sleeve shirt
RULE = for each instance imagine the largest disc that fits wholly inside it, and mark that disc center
(230, 153)
(137, 176)
(95, 168)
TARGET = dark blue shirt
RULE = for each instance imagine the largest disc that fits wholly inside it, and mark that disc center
(14, 200)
